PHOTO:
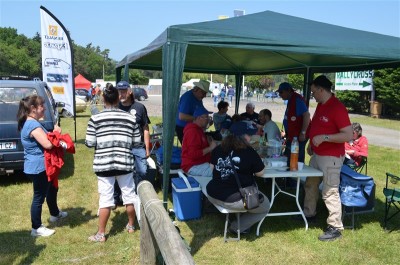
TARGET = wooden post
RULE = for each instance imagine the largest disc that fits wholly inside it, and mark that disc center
(167, 237)
(147, 247)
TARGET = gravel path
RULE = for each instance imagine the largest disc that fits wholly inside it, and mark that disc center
(376, 135)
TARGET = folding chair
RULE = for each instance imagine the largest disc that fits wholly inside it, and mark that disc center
(357, 193)
(392, 195)
(363, 165)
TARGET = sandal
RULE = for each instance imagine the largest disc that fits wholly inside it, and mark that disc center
(130, 228)
(97, 238)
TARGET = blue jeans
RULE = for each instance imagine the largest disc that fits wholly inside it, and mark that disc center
(230, 100)
(140, 171)
(216, 100)
(42, 189)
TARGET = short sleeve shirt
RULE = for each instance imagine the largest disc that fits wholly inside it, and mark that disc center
(329, 118)
(187, 104)
(223, 185)
(33, 151)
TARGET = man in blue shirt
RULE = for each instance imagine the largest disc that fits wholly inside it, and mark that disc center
(188, 102)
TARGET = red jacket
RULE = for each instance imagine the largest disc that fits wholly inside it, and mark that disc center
(194, 141)
(54, 158)
(360, 147)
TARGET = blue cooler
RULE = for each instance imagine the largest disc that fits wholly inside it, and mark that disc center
(186, 197)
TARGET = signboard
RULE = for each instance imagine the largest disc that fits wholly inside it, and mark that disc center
(57, 59)
(355, 81)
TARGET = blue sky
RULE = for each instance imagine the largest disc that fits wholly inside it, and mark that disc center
(127, 26)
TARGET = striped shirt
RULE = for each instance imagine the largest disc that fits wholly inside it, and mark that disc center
(113, 133)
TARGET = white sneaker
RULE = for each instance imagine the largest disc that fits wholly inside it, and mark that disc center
(61, 215)
(42, 231)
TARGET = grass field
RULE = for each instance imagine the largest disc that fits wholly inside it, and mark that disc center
(281, 241)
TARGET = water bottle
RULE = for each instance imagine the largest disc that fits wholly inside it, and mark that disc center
(294, 155)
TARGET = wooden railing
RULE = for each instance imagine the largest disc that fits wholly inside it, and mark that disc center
(157, 232)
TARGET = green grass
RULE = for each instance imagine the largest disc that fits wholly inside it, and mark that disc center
(281, 239)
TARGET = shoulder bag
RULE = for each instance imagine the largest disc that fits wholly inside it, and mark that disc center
(250, 195)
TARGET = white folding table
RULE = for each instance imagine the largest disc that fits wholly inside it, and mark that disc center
(282, 172)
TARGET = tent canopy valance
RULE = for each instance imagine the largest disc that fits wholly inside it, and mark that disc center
(82, 82)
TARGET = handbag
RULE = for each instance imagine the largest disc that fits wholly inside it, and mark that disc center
(250, 195)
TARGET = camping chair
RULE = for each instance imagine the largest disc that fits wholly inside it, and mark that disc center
(363, 165)
(392, 195)
(357, 193)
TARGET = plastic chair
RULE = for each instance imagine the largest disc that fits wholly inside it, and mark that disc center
(363, 165)
(392, 195)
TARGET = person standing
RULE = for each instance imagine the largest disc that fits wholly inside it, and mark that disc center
(215, 94)
(188, 102)
(34, 140)
(231, 94)
(296, 119)
(141, 150)
(330, 128)
(112, 133)
(196, 146)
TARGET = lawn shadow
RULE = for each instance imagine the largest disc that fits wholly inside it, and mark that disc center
(68, 169)
(19, 246)
(17, 178)
(76, 217)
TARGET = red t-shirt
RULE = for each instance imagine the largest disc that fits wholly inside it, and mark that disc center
(360, 147)
(328, 119)
(194, 141)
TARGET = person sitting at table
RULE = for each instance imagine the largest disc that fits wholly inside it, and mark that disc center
(250, 114)
(196, 146)
(221, 115)
(223, 189)
(357, 148)
(270, 129)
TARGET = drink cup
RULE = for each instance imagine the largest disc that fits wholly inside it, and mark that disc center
(300, 165)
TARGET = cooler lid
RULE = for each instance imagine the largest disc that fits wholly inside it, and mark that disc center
(180, 184)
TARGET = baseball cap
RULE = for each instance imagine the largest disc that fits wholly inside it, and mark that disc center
(241, 127)
(123, 85)
(200, 111)
(203, 85)
(284, 86)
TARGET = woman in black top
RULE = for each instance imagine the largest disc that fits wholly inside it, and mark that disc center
(223, 188)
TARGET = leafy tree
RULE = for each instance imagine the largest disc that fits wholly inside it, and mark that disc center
(387, 89)
(297, 81)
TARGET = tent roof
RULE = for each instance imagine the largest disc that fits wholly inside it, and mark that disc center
(82, 82)
(268, 42)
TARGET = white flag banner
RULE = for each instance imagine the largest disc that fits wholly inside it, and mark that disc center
(57, 61)
(355, 81)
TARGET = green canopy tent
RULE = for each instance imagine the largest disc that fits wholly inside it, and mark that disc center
(261, 43)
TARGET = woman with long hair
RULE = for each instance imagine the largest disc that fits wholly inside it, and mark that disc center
(34, 140)
(223, 188)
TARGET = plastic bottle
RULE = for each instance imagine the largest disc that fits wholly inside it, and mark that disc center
(294, 154)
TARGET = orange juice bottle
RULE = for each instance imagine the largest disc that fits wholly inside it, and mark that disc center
(294, 154)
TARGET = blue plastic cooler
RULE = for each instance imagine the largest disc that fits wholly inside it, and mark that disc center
(186, 197)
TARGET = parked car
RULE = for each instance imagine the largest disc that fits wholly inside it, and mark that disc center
(82, 93)
(140, 93)
(271, 95)
(11, 92)
(80, 106)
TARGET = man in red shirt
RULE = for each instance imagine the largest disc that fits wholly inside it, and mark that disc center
(330, 128)
(196, 146)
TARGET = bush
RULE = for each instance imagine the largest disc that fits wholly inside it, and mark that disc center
(355, 101)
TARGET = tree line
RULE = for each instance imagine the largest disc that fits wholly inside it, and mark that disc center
(20, 55)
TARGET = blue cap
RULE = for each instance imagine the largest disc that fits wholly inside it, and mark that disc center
(200, 111)
(284, 86)
(123, 85)
(241, 127)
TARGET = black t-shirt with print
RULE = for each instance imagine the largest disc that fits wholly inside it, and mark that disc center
(223, 185)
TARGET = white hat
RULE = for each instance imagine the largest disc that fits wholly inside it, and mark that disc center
(203, 85)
